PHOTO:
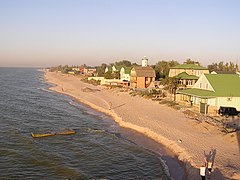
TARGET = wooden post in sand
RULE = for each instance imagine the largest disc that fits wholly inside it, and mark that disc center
(110, 105)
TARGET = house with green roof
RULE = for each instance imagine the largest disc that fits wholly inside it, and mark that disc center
(187, 74)
(212, 91)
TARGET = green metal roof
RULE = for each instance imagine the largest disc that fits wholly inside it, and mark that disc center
(185, 75)
(189, 66)
(197, 92)
(224, 85)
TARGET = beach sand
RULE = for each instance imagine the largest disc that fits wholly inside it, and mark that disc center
(186, 138)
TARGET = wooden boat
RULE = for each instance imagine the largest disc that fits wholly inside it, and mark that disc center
(65, 131)
(42, 135)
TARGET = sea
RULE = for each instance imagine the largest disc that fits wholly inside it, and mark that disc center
(100, 149)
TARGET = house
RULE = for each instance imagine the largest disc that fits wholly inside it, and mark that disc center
(187, 74)
(125, 73)
(212, 91)
(142, 76)
(79, 70)
(89, 71)
(111, 69)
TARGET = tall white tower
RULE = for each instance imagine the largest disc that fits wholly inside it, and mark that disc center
(144, 61)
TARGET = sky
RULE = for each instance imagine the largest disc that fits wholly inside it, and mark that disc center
(43, 33)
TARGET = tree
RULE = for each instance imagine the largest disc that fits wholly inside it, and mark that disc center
(101, 69)
(228, 66)
(123, 63)
(162, 68)
(213, 67)
(189, 61)
(171, 83)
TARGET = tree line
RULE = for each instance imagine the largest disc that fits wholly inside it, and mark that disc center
(161, 67)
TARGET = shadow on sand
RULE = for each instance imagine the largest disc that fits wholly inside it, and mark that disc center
(192, 173)
(115, 107)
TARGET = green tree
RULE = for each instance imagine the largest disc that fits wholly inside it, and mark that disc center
(213, 67)
(228, 66)
(171, 83)
(108, 75)
(162, 68)
(123, 63)
(101, 69)
(189, 61)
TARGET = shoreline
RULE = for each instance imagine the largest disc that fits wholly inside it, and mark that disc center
(172, 165)
(99, 101)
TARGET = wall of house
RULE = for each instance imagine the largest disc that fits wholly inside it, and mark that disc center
(203, 83)
(229, 101)
(125, 77)
(141, 82)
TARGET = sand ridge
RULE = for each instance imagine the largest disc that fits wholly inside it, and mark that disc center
(185, 137)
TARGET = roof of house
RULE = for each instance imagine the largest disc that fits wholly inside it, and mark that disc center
(224, 85)
(127, 70)
(197, 92)
(185, 75)
(144, 71)
(189, 66)
(110, 68)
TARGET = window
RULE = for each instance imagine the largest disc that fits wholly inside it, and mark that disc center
(206, 86)
(190, 82)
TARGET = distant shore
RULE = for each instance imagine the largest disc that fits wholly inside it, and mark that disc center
(188, 139)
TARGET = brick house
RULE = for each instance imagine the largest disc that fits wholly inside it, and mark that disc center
(142, 76)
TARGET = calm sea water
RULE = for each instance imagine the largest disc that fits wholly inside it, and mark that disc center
(97, 150)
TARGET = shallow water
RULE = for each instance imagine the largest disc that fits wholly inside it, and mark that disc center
(97, 150)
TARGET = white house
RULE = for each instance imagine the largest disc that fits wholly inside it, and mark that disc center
(125, 73)
(212, 91)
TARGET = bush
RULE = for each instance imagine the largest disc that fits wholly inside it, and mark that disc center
(92, 81)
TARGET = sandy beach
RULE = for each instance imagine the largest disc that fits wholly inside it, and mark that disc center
(186, 138)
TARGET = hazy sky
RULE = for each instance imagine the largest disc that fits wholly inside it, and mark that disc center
(74, 32)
